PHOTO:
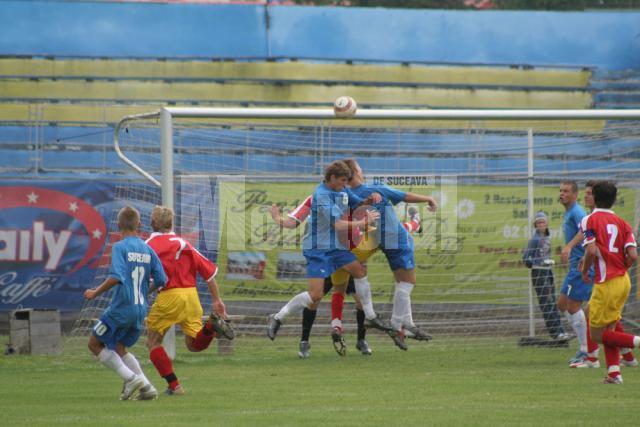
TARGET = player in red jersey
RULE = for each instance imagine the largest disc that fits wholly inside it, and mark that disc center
(611, 247)
(592, 359)
(178, 302)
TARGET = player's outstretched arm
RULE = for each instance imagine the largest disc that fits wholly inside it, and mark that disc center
(287, 222)
(104, 287)
(419, 198)
(218, 304)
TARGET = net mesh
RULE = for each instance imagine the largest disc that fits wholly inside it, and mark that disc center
(471, 283)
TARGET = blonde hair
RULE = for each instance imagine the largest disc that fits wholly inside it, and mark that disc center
(161, 218)
(128, 219)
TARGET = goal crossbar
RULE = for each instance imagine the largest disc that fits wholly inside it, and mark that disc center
(167, 114)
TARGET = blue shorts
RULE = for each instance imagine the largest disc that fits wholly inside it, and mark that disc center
(110, 336)
(400, 258)
(573, 286)
(321, 264)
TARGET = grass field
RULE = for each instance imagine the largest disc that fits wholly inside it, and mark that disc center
(265, 384)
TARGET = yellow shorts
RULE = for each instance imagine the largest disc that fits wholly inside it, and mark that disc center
(365, 249)
(179, 306)
(607, 301)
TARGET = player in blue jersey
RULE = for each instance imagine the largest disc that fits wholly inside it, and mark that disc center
(133, 263)
(326, 246)
(574, 290)
(397, 245)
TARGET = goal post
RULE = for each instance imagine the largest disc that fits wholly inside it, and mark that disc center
(196, 157)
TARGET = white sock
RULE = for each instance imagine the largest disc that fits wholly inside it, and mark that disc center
(401, 313)
(295, 305)
(336, 323)
(363, 290)
(111, 360)
(579, 324)
(132, 363)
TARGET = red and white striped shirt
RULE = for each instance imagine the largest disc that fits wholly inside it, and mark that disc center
(302, 211)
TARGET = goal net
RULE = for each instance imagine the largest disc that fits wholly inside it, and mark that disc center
(489, 177)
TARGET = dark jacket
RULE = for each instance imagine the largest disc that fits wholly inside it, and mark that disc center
(538, 252)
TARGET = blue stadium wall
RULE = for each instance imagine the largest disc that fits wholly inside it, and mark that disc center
(607, 40)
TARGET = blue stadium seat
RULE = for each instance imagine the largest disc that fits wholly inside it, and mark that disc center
(16, 160)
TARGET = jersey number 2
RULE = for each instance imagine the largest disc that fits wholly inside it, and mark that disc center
(138, 276)
(612, 229)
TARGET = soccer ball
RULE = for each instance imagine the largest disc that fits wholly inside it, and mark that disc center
(345, 106)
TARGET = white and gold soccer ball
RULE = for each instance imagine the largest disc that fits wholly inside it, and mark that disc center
(345, 107)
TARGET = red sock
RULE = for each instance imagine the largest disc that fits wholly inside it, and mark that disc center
(626, 355)
(617, 339)
(337, 305)
(208, 328)
(203, 339)
(164, 366)
(591, 344)
(612, 356)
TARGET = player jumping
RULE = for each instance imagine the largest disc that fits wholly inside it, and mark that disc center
(397, 245)
(326, 251)
(358, 244)
(293, 219)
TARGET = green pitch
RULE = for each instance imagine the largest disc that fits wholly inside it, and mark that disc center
(264, 383)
